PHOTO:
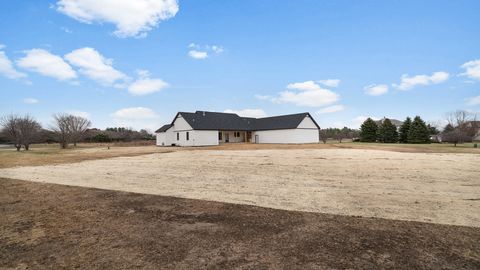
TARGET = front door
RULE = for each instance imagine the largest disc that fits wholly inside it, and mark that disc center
(227, 137)
(256, 139)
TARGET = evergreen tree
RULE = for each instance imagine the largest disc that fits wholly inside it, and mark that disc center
(418, 132)
(403, 136)
(387, 132)
(432, 130)
(448, 128)
(368, 131)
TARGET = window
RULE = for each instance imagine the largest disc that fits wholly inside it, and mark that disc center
(188, 136)
(220, 136)
(178, 136)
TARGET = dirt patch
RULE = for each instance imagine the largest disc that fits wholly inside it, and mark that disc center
(54, 226)
(435, 188)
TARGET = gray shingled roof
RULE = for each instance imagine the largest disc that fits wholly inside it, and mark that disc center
(164, 128)
(202, 120)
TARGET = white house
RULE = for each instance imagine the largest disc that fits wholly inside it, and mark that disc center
(212, 128)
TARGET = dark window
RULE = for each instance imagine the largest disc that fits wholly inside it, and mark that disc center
(220, 136)
(178, 136)
(188, 136)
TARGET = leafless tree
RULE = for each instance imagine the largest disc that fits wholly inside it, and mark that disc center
(20, 130)
(78, 127)
(456, 136)
(61, 129)
(29, 130)
(10, 128)
(465, 122)
(457, 118)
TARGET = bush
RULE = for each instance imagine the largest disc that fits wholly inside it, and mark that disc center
(101, 137)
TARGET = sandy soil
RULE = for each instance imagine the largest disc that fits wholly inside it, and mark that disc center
(47, 226)
(438, 188)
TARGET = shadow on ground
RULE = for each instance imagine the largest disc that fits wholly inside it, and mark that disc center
(54, 226)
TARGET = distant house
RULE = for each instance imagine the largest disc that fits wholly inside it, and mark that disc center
(395, 122)
(203, 128)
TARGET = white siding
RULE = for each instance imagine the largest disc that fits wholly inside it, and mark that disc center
(205, 137)
(307, 123)
(165, 138)
(180, 124)
(161, 139)
(287, 136)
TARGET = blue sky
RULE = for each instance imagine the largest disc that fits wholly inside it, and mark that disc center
(136, 63)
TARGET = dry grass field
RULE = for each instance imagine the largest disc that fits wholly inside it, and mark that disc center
(241, 206)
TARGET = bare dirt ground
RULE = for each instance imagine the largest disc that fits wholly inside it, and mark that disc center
(48, 154)
(431, 187)
(46, 226)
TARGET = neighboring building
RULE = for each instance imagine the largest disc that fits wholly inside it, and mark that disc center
(395, 122)
(212, 128)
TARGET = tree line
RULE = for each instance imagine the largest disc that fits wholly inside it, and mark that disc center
(338, 134)
(66, 129)
(462, 127)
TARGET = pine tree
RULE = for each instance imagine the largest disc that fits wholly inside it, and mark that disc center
(387, 132)
(403, 136)
(448, 128)
(368, 131)
(418, 132)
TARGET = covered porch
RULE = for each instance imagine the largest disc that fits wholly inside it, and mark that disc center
(229, 136)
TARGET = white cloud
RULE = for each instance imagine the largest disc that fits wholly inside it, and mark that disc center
(197, 54)
(95, 66)
(79, 113)
(202, 52)
(136, 117)
(6, 67)
(47, 64)
(144, 85)
(331, 109)
(408, 83)
(307, 94)
(330, 82)
(358, 121)
(473, 101)
(376, 90)
(30, 100)
(2, 46)
(255, 113)
(134, 113)
(217, 49)
(66, 30)
(132, 18)
(472, 69)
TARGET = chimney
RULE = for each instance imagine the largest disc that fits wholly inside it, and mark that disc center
(203, 113)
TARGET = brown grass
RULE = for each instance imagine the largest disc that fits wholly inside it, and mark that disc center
(45, 226)
(52, 154)
(46, 154)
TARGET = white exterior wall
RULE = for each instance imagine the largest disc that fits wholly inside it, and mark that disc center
(286, 136)
(181, 127)
(165, 138)
(161, 139)
(307, 122)
(205, 137)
